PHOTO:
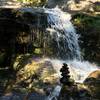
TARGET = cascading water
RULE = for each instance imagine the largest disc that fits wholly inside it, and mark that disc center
(61, 29)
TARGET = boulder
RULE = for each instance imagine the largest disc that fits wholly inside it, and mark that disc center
(93, 83)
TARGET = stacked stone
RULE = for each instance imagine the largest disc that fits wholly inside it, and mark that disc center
(65, 80)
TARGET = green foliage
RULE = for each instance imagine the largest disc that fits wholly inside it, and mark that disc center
(86, 20)
(89, 28)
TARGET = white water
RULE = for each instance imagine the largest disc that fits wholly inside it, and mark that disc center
(54, 94)
(79, 71)
(59, 22)
(61, 29)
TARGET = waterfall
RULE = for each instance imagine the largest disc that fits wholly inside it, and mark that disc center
(55, 33)
(62, 31)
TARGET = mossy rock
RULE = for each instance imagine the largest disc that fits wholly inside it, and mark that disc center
(34, 72)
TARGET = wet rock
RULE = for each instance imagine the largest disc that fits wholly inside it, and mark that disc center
(35, 96)
(75, 92)
(5, 98)
(84, 94)
(13, 97)
(93, 83)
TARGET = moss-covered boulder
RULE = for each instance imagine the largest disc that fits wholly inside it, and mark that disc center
(34, 73)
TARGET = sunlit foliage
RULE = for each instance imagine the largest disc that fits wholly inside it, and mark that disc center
(33, 2)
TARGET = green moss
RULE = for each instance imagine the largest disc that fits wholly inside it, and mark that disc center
(86, 20)
(38, 51)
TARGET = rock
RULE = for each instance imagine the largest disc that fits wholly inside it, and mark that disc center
(87, 6)
(10, 97)
(93, 77)
(93, 83)
(35, 96)
(36, 74)
(95, 74)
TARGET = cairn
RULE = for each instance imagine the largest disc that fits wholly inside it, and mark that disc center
(67, 83)
(65, 80)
